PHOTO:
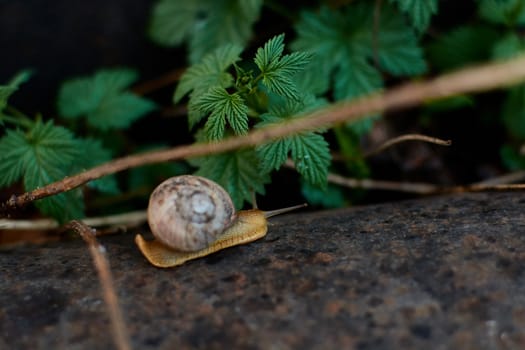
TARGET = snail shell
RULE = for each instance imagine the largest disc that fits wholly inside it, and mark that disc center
(188, 213)
(191, 217)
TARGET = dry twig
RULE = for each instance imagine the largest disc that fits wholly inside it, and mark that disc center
(404, 138)
(133, 218)
(468, 80)
(98, 254)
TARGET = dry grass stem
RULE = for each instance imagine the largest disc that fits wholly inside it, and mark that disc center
(133, 218)
(404, 138)
(470, 80)
(98, 254)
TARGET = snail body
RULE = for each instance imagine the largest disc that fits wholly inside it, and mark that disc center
(191, 217)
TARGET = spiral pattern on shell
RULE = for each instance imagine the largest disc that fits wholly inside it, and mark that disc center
(188, 213)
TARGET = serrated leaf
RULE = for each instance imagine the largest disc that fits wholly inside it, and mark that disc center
(282, 85)
(204, 24)
(398, 50)
(237, 172)
(42, 155)
(102, 99)
(273, 155)
(210, 72)
(224, 22)
(311, 155)
(419, 11)
(173, 21)
(313, 79)
(277, 71)
(270, 53)
(309, 150)
(223, 106)
(119, 111)
(339, 39)
(462, 46)
(356, 78)
(12, 153)
(215, 126)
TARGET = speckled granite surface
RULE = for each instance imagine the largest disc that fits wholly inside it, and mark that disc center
(438, 273)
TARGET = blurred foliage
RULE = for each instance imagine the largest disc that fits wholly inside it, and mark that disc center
(241, 75)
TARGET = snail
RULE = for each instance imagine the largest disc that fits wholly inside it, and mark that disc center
(191, 217)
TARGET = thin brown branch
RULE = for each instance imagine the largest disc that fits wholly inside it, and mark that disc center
(504, 179)
(404, 138)
(417, 187)
(484, 188)
(410, 187)
(420, 187)
(133, 218)
(469, 80)
(98, 254)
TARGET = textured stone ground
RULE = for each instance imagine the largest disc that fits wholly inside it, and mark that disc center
(438, 273)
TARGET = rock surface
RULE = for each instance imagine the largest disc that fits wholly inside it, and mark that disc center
(437, 273)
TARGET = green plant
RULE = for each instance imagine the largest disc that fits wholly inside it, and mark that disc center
(40, 152)
(339, 50)
(261, 93)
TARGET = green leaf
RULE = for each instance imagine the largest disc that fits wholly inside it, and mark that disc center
(42, 155)
(343, 46)
(103, 99)
(277, 71)
(119, 111)
(268, 55)
(210, 72)
(273, 155)
(509, 13)
(309, 150)
(238, 172)
(462, 46)
(173, 21)
(13, 148)
(204, 24)
(419, 11)
(398, 49)
(511, 45)
(356, 78)
(311, 155)
(226, 22)
(223, 106)
(7, 90)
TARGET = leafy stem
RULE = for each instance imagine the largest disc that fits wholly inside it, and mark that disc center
(471, 80)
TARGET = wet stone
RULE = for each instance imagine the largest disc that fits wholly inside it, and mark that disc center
(437, 273)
